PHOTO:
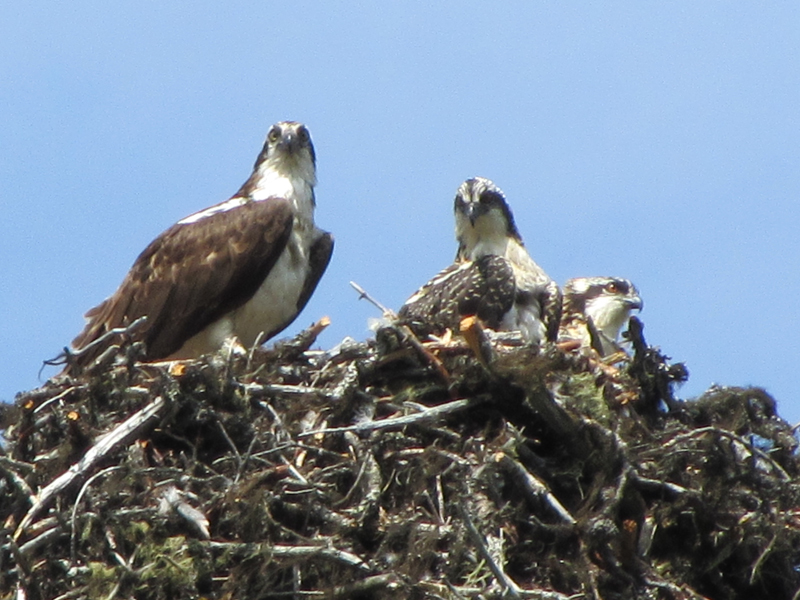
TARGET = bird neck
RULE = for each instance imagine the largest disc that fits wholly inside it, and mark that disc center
(286, 178)
(483, 239)
(476, 250)
(608, 316)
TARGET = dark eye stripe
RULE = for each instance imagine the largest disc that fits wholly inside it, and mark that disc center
(491, 197)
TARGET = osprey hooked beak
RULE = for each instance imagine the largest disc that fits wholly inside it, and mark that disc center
(634, 303)
(289, 142)
(288, 138)
(474, 209)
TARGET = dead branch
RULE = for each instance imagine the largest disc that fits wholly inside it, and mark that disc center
(74, 520)
(120, 435)
(512, 589)
(295, 552)
(364, 295)
(69, 355)
(18, 481)
(368, 584)
(732, 436)
(300, 343)
(430, 414)
(532, 486)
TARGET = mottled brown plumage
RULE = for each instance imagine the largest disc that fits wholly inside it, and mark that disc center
(484, 288)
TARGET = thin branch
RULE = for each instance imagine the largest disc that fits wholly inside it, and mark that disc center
(54, 399)
(364, 295)
(678, 590)
(406, 332)
(172, 500)
(476, 592)
(260, 339)
(368, 584)
(17, 479)
(656, 485)
(120, 435)
(300, 343)
(293, 470)
(69, 354)
(264, 389)
(732, 436)
(47, 537)
(430, 414)
(283, 551)
(84, 488)
(233, 447)
(532, 486)
(432, 359)
(511, 587)
(762, 557)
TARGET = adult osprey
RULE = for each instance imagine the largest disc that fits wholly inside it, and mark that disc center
(493, 276)
(235, 270)
(595, 309)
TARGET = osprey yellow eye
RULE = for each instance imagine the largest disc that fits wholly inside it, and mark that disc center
(274, 134)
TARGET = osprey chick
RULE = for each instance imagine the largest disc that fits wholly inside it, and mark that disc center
(493, 276)
(237, 269)
(595, 309)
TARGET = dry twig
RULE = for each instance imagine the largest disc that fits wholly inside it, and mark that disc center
(118, 436)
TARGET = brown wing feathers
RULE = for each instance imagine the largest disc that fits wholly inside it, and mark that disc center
(484, 288)
(192, 274)
(319, 257)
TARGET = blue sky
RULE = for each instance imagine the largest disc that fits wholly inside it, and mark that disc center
(653, 141)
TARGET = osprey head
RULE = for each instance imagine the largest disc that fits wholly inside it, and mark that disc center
(288, 140)
(607, 300)
(484, 222)
(287, 159)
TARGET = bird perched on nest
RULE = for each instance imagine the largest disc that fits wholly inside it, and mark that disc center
(595, 309)
(493, 276)
(235, 271)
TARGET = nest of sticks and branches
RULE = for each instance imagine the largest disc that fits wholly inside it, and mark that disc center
(395, 468)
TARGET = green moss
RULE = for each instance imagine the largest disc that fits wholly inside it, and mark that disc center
(584, 396)
(101, 580)
(168, 567)
(137, 531)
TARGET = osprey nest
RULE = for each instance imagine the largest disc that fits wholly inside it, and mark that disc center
(396, 468)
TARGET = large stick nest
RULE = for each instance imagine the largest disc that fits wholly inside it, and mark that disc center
(394, 469)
